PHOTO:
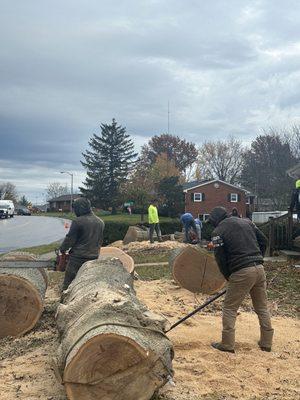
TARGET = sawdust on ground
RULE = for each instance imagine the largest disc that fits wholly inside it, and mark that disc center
(146, 245)
(200, 372)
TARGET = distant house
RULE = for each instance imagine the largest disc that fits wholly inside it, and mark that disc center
(202, 196)
(62, 203)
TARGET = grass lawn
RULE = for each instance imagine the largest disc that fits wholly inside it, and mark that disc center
(43, 249)
(126, 218)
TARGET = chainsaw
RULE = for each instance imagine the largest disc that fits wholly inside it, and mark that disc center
(59, 264)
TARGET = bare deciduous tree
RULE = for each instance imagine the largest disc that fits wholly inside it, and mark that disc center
(221, 159)
(56, 189)
(292, 137)
(8, 191)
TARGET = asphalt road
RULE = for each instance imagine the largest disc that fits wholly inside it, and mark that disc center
(25, 231)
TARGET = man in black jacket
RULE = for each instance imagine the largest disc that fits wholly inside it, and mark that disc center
(239, 249)
(295, 200)
(84, 239)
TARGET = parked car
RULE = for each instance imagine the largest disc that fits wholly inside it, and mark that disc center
(23, 211)
(7, 209)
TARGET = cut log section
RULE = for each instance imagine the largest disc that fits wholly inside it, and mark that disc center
(135, 234)
(111, 347)
(125, 259)
(22, 292)
(196, 270)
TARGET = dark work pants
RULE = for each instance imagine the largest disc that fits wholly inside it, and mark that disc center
(72, 268)
(155, 227)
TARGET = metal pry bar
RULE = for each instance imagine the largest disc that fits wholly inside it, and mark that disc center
(209, 301)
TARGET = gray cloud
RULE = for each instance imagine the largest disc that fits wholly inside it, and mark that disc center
(65, 67)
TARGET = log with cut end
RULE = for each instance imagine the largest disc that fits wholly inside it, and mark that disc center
(195, 269)
(136, 234)
(112, 347)
(22, 292)
(125, 259)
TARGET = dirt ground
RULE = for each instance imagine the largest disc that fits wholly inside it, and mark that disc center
(200, 371)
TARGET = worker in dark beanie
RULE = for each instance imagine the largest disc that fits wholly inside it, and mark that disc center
(84, 239)
(239, 249)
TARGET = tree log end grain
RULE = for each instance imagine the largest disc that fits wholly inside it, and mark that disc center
(196, 270)
(113, 366)
(125, 259)
(22, 291)
(21, 305)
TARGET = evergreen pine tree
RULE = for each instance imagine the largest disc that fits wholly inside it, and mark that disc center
(108, 163)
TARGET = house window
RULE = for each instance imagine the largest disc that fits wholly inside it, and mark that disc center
(203, 217)
(234, 197)
(197, 196)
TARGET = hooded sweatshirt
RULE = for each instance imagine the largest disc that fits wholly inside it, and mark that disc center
(86, 232)
(238, 242)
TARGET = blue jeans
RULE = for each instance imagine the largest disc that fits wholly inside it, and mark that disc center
(190, 225)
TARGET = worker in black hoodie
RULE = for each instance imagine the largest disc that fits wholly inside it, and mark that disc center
(84, 239)
(239, 249)
(295, 200)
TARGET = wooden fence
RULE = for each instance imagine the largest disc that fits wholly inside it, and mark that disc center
(279, 232)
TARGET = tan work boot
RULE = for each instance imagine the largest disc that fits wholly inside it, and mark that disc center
(221, 347)
(265, 342)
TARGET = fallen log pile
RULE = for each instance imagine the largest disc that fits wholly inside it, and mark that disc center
(195, 269)
(112, 346)
(22, 292)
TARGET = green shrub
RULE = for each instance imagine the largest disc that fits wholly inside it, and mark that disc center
(207, 230)
(114, 231)
(117, 230)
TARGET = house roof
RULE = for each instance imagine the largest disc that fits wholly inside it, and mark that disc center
(65, 197)
(294, 172)
(194, 184)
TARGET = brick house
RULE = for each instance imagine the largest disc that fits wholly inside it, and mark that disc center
(202, 196)
(62, 203)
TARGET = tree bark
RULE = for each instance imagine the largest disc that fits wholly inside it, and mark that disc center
(111, 347)
(195, 269)
(22, 292)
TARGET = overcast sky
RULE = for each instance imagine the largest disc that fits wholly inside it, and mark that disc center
(226, 66)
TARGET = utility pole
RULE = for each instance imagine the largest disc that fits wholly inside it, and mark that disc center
(71, 175)
(168, 117)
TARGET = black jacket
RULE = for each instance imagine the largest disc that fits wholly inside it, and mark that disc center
(295, 203)
(86, 233)
(238, 244)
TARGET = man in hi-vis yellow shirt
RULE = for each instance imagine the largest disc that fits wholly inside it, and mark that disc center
(154, 221)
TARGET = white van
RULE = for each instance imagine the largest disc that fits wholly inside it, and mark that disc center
(7, 209)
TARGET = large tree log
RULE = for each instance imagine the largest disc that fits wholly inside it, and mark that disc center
(195, 269)
(22, 292)
(111, 347)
